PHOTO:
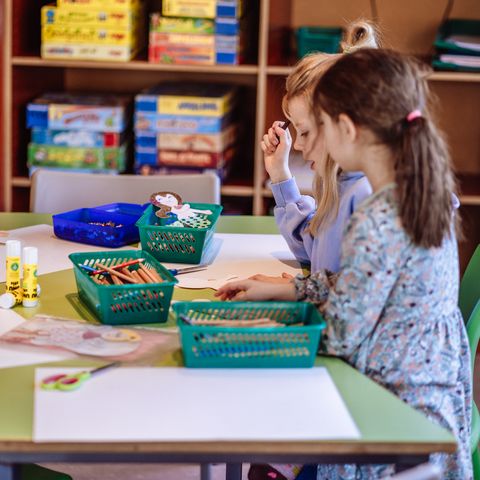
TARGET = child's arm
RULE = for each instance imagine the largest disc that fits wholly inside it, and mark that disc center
(276, 146)
(353, 302)
(292, 213)
(253, 290)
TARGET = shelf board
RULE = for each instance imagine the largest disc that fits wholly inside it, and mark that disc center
(228, 190)
(237, 190)
(470, 200)
(279, 70)
(435, 76)
(454, 77)
(33, 61)
(21, 182)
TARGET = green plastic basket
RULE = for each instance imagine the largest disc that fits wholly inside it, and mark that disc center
(124, 304)
(455, 26)
(318, 39)
(250, 347)
(177, 244)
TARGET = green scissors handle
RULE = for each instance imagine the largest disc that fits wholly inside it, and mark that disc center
(68, 382)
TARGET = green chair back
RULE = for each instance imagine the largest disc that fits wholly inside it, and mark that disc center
(469, 302)
(470, 286)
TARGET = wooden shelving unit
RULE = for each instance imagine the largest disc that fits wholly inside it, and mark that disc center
(408, 26)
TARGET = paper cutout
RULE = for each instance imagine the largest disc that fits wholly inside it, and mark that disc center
(85, 338)
(175, 213)
(15, 355)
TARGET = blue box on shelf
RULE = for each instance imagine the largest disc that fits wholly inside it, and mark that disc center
(111, 225)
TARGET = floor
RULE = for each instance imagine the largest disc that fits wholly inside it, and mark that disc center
(166, 472)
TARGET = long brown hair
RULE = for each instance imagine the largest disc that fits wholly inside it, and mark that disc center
(301, 82)
(385, 88)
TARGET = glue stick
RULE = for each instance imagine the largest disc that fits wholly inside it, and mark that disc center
(30, 258)
(13, 270)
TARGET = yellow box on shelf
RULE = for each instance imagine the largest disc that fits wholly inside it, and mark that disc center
(88, 35)
(115, 53)
(99, 3)
(190, 105)
(202, 8)
(103, 17)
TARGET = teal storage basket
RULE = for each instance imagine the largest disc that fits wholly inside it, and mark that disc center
(250, 347)
(177, 244)
(456, 27)
(318, 39)
(124, 304)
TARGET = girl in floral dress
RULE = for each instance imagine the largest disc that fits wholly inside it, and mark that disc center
(391, 310)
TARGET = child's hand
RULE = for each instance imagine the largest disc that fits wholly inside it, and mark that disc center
(284, 278)
(276, 146)
(254, 290)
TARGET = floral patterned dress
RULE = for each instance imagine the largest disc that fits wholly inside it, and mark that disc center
(392, 313)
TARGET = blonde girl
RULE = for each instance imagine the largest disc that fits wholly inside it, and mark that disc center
(313, 226)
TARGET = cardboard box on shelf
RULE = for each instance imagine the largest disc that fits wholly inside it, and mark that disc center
(213, 142)
(115, 53)
(115, 17)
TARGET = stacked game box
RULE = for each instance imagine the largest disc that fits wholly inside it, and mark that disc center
(185, 127)
(78, 132)
(204, 32)
(93, 29)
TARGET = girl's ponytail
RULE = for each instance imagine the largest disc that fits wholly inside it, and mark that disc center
(424, 182)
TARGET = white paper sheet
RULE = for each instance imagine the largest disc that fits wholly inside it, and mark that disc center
(18, 355)
(240, 256)
(179, 404)
(52, 251)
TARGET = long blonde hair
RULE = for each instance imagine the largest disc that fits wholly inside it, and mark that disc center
(301, 82)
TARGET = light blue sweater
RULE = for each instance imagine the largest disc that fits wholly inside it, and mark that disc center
(293, 211)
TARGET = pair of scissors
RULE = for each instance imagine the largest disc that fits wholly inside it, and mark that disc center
(67, 382)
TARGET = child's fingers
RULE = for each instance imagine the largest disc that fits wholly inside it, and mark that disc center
(266, 150)
(281, 134)
(287, 275)
(232, 288)
(263, 278)
(273, 137)
(241, 295)
(267, 142)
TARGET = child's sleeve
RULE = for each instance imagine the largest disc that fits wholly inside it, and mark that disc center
(292, 213)
(361, 192)
(352, 301)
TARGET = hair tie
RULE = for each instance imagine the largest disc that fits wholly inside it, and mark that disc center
(413, 115)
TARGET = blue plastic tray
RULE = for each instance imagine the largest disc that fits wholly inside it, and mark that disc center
(75, 225)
